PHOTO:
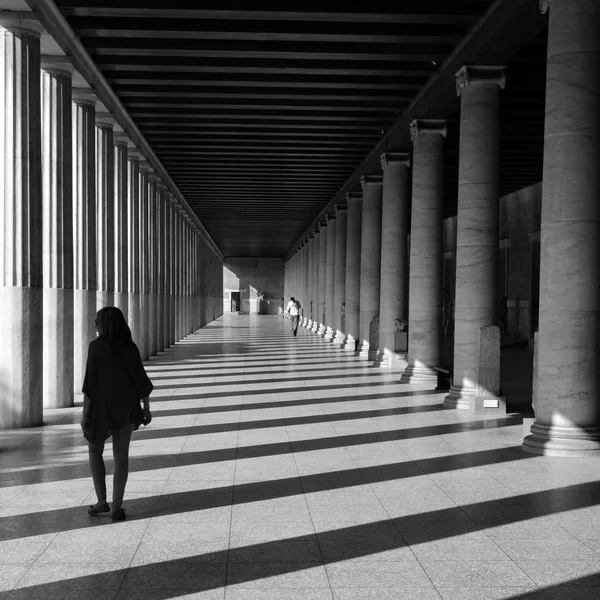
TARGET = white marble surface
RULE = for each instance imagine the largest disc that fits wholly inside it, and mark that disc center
(353, 250)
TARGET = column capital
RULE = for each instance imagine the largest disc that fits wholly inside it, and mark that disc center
(330, 217)
(22, 22)
(480, 75)
(366, 180)
(323, 224)
(84, 97)
(58, 66)
(144, 164)
(420, 127)
(311, 235)
(120, 138)
(133, 153)
(544, 6)
(395, 158)
(105, 120)
(353, 196)
(340, 208)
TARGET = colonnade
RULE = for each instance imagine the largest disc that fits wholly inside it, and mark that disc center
(372, 278)
(86, 223)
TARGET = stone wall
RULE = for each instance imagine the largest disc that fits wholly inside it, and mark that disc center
(251, 277)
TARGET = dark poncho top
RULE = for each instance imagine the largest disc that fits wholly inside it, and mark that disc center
(115, 382)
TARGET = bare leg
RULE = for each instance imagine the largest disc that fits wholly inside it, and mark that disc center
(121, 440)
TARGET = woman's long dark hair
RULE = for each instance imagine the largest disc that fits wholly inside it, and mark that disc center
(112, 325)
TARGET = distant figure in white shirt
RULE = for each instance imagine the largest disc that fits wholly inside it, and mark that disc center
(293, 310)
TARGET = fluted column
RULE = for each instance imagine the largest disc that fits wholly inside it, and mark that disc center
(309, 274)
(370, 261)
(57, 227)
(105, 203)
(121, 248)
(339, 292)
(305, 281)
(178, 270)
(133, 242)
(476, 302)
(567, 387)
(84, 229)
(21, 295)
(172, 264)
(353, 249)
(144, 336)
(168, 272)
(321, 300)
(330, 278)
(315, 280)
(393, 298)
(426, 252)
(152, 266)
(160, 258)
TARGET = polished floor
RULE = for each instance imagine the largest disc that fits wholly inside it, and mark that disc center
(281, 468)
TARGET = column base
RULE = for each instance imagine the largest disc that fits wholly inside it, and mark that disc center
(459, 398)
(351, 344)
(321, 331)
(414, 374)
(367, 352)
(550, 440)
(329, 334)
(393, 361)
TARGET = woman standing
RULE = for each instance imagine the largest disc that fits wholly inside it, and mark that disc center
(115, 382)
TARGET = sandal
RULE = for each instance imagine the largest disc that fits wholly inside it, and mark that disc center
(118, 515)
(98, 508)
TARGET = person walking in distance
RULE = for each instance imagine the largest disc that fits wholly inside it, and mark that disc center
(293, 310)
(115, 382)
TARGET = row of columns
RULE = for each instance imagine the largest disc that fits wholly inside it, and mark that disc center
(86, 224)
(371, 276)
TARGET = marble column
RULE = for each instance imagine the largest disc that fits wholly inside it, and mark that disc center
(353, 249)
(21, 292)
(172, 263)
(84, 230)
(393, 297)
(315, 281)
(477, 301)
(330, 278)
(305, 295)
(57, 231)
(144, 336)
(160, 258)
(121, 242)
(370, 261)
(426, 252)
(339, 292)
(567, 387)
(152, 266)
(105, 203)
(310, 269)
(168, 271)
(322, 282)
(133, 237)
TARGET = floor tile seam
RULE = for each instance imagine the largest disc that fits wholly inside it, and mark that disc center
(556, 522)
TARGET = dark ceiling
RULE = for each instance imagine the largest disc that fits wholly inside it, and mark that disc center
(263, 116)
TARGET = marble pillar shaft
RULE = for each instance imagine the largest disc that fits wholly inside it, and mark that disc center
(105, 190)
(144, 264)
(315, 284)
(426, 252)
(370, 259)
(339, 293)
(305, 281)
(57, 198)
(567, 387)
(152, 267)
(85, 233)
(121, 250)
(477, 301)
(322, 282)
(168, 273)
(160, 259)
(330, 277)
(133, 244)
(353, 250)
(21, 312)
(393, 301)
(311, 268)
